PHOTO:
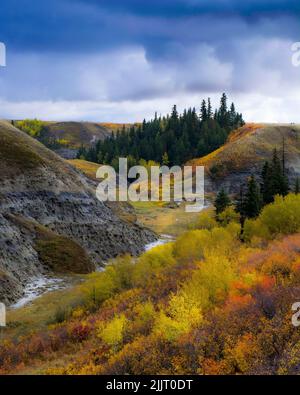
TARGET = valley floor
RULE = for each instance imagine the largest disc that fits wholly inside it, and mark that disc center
(205, 303)
(40, 304)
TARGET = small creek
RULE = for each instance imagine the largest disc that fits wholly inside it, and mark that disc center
(44, 284)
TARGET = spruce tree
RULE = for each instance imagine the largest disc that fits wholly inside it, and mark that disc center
(209, 109)
(279, 180)
(232, 115)
(223, 112)
(203, 111)
(222, 202)
(252, 203)
(182, 137)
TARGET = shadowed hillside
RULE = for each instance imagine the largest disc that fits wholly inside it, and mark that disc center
(50, 219)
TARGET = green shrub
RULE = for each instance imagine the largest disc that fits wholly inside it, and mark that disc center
(282, 216)
(33, 127)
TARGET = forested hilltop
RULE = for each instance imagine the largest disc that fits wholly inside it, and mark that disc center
(170, 140)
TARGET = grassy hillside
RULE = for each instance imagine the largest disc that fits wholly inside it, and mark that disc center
(88, 168)
(245, 152)
(70, 135)
(20, 153)
(206, 304)
(75, 134)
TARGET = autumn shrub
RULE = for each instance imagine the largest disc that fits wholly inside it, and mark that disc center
(278, 266)
(121, 271)
(211, 282)
(112, 333)
(96, 289)
(199, 244)
(33, 127)
(206, 220)
(205, 304)
(144, 317)
(179, 318)
(255, 231)
(228, 215)
(241, 357)
(279, 218)
(150, 264)
(190, 246)
(80, 331)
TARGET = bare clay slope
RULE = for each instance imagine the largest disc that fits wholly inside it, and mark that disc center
(50, 219)
(245, 153)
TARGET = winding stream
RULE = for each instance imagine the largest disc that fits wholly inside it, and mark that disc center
(43, 284)
(38, 287)
(164, 239)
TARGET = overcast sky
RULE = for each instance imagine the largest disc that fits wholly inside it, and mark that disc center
(123, 60)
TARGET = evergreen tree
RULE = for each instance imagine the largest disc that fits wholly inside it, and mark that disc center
(232, 115)
(209, 109)
(181, 137)
(203, 112)
(222, 202)
(279, 180)
(252, 203)
(223, 112)
(274, 179)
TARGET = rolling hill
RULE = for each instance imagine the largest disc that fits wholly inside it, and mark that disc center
(245, 153)
(65, 138)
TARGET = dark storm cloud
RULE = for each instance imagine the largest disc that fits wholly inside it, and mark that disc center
(84, 25)
(112, 51)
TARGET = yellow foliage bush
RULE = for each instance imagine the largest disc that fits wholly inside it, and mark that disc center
(211, 282)
(97, 288)
(206, 220)
(151, 263)
(190, 246)
(228, 215)
(112, 333)
(102, 285)
(145, 313)
(181, 316)
(255, 231)
(283, 216)
(199, 244)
